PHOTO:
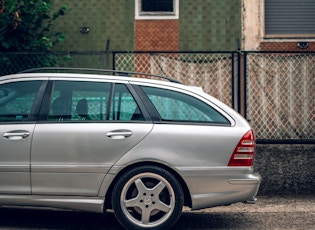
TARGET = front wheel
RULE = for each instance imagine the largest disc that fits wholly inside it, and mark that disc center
(147, 197)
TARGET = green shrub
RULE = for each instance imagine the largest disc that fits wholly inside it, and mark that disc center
(26, 27)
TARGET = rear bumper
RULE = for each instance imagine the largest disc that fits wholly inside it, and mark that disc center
(222, 189)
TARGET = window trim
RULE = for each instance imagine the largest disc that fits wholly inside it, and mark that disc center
(35, 111)
(156, 15)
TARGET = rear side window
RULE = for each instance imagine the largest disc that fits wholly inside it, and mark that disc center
(95, 101)
(17, 99)
(180, 107)
(123, 106)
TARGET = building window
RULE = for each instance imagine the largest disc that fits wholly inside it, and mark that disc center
(150, 6)
(289, 19)
(156, 9)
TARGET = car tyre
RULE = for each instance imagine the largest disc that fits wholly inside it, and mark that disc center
(147, 197)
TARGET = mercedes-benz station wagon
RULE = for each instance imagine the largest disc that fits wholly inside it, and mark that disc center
(143, 148)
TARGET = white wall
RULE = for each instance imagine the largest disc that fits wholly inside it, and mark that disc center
(252, 18)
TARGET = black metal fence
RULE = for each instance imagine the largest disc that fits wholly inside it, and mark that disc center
(274, 91)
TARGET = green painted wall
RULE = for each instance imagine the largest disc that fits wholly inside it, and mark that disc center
(209, 25)
(107, 19)
(204, 25)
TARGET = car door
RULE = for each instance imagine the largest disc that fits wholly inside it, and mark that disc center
(16, 130)
(89, 126)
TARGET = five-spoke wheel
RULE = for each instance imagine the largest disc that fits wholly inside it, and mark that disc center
(147, 198)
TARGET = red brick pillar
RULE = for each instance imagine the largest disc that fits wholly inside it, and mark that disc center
(154, 35)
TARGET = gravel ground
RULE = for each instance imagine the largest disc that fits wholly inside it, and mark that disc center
(267, 213)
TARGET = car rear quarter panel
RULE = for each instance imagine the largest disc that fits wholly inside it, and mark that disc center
(187, 145)
(200, 155)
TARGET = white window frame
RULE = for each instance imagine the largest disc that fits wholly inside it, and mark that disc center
(156, 15)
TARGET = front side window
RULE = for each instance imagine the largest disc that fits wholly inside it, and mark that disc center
(17, 99)
(179, 107)
(92, 101)
(156, 9)
(290, 18)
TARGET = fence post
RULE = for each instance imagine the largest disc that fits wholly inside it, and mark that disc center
(114, 60)
(239, 81)
(107, 54)
(233, 81)
(245, 84)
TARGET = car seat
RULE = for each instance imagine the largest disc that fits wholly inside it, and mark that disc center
(82, 109)
(60, 109)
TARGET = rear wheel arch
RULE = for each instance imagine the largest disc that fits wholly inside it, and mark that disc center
(108, 196)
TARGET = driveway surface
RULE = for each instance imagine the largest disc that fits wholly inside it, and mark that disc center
(266, 213)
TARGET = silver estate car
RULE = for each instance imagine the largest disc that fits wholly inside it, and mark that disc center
(141, 147)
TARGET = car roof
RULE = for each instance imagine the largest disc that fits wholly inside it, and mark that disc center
(85, 73)
(132, 77)
(82, 76)
(99, 72)
(118, 78)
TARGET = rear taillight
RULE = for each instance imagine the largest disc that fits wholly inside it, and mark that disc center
(243, 154)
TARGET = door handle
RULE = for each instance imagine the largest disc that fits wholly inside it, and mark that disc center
(16, 135)
(119, 134)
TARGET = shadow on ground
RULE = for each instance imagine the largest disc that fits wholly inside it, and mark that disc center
(268, 213)
(50, 219)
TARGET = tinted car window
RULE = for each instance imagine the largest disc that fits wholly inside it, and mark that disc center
(75, 100)
(16, 100)
(176, 106)
(123, 106)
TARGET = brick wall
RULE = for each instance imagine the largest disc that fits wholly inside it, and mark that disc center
(285, 46)
(156, 35)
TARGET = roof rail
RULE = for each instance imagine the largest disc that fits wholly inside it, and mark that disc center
(118, 72)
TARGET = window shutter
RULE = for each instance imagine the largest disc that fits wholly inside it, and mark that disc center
(289, 17)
